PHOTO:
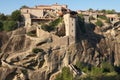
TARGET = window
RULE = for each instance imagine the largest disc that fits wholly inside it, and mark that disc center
(27, 11)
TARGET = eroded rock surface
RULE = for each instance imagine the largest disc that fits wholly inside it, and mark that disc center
(18, 62)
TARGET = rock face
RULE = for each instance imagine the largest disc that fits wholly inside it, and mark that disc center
(19, 62)
(5, 72)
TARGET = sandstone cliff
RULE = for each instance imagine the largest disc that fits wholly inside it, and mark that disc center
(18, 61)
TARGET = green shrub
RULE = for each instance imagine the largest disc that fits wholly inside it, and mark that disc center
(105, 72)
(81, 16)
(37, 50)
(32, 33)
(47, 27)
(96, 70)
(56, 22)
(107, 67)
(9, 25)
(79, 65)
(99, 23)
(59, 77)
(3, 17)
(102, 17)
(65, 75)
(113, 76)
(52, 25)
(82, 66)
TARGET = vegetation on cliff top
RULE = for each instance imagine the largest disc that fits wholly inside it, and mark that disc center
(52, 26)
(9, 22)
(104, 18)
(9, 25)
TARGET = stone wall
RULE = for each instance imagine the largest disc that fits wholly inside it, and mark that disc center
(70, 27)
(57, 41)
(37, 13)
(27, 20)
(43, 12)
(112, 17)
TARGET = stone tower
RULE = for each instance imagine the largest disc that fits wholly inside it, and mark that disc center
(70, 27)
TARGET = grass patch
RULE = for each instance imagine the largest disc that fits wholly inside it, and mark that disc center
(104, 18)
(99, 23)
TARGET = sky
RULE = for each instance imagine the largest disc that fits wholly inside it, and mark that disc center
(8, 6)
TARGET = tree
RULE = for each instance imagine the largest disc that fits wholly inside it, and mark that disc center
(8, 17)
(90, 9)
(24, 6)
(16, 15)
(1, 26)
(110, 11)
(2, 17)
(9, 25)
(103, 11)
(113, 11)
